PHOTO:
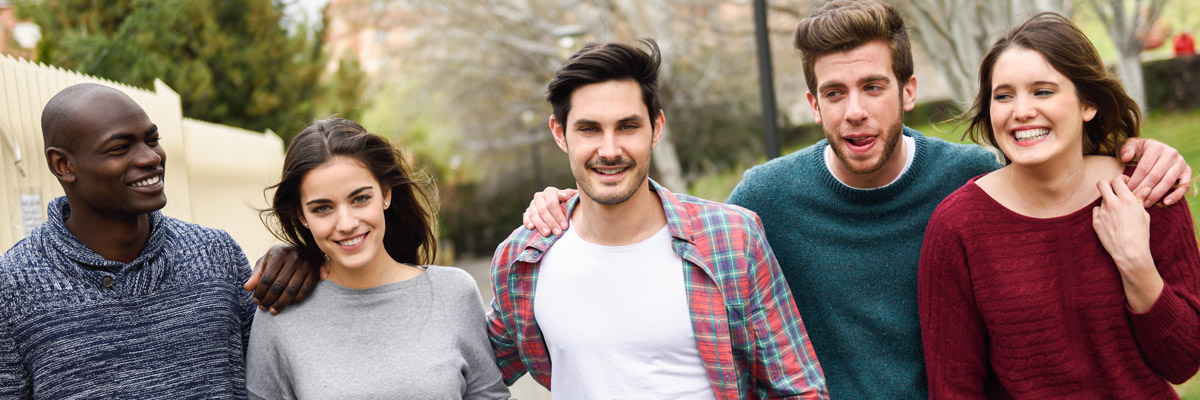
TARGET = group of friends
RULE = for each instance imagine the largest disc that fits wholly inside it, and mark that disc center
(921, 268)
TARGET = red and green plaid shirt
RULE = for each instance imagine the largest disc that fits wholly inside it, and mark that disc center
(750, 336)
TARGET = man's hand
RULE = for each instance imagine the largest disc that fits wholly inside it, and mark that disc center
(545, 212)
(281, 278)
(1160, 168)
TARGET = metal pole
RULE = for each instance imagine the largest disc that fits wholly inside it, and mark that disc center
(766, 80)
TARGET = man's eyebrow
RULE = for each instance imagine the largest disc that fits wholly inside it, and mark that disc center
(874, 78)
(631, 118)
(830, 85)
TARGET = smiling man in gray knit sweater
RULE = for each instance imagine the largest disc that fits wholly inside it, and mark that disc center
(846, 216)
(109, 298)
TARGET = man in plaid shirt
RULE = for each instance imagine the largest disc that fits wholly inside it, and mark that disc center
(648, 293)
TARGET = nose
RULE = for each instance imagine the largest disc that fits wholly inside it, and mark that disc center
(346, 220)
(1023, 109)
(148, 157)
(855, 112)
(609, 149)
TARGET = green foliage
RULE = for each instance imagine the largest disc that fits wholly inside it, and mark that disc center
(232, 61)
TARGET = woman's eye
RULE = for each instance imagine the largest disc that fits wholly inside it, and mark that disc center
(1043, 92)
(1002, 97)
(320, 209)
(361, 199)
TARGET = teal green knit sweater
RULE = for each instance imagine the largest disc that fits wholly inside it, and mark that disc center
(850, 257)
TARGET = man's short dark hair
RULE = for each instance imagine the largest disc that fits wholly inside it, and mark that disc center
(598, 63)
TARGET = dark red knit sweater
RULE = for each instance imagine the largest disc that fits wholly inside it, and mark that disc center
(1029, 308)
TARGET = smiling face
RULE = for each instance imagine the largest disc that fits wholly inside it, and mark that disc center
(860, 106)
(608, 140)
(342, 205)
(115, 165)
(1035, 111)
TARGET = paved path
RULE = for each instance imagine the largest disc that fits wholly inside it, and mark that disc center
(525, 388)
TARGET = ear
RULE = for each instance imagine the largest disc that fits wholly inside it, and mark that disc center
(660, 123)
(1089, 112)
(61, 164)
(557, 131)
(908, 93)
(816, 108)
(387, 199)
(303, 221)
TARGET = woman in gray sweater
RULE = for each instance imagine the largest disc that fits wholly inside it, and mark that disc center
(384, 324)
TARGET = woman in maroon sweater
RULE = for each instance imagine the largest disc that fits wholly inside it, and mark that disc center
(1047, 278)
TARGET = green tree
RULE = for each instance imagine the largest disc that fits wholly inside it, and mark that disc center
(236, 62)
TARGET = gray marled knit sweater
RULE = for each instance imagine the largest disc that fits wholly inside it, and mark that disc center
(172, 324)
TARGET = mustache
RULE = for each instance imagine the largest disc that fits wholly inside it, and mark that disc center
(609, 163)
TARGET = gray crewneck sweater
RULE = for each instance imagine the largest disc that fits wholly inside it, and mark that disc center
(424, 338)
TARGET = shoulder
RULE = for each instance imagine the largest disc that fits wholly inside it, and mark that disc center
(452, 278)
(959, 207)
(711, 212)
(24, 261)
(456, 286)
(204, 248)
(782, 173)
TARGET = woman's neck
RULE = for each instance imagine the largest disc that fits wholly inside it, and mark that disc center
(1050, 189)
(380, 271)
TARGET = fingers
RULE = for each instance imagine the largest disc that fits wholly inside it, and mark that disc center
(286, 268)
(252, 282)
(309, 283)
(1151, 167)
(566, 194)
(292, 290)
(1163, 186)
(1131, 148)
(1106, 191)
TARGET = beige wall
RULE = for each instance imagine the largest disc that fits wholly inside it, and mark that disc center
(215, 173)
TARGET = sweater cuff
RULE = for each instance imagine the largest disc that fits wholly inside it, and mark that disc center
(1162, 316)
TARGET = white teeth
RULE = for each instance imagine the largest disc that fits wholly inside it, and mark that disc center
(1031, 134)
(609, 171)
(356, 240)
(147, 182)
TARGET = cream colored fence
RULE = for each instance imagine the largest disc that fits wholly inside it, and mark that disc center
(215, 173)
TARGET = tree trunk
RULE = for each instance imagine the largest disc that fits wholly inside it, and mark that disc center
(1129, 69)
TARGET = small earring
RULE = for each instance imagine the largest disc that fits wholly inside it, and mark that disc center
(386, 204)
(304, 223)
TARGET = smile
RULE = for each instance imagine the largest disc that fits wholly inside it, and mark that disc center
(148, 181)
(352, 241)
(610, 171)
(1031, 134)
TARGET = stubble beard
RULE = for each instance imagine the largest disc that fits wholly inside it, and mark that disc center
(893, 133)
(620, 195)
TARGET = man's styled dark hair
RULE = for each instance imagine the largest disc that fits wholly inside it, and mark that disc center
(843, 25)
(408, 237)
(598, 63)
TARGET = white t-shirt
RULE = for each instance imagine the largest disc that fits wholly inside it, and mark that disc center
(905, 140)
(616, 321)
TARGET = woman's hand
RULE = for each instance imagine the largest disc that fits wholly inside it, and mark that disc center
(1123, 226)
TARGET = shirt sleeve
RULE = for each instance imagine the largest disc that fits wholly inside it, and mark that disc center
(483, 378)
(266, 367)
(508, 356)
(786, 365)
(15, 382)
(1168, 334)
(952, 329)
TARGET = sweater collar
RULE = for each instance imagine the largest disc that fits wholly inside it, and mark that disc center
(75, 258)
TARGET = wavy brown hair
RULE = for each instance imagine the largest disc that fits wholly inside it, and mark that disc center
(1070, 52)
(408, 237)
